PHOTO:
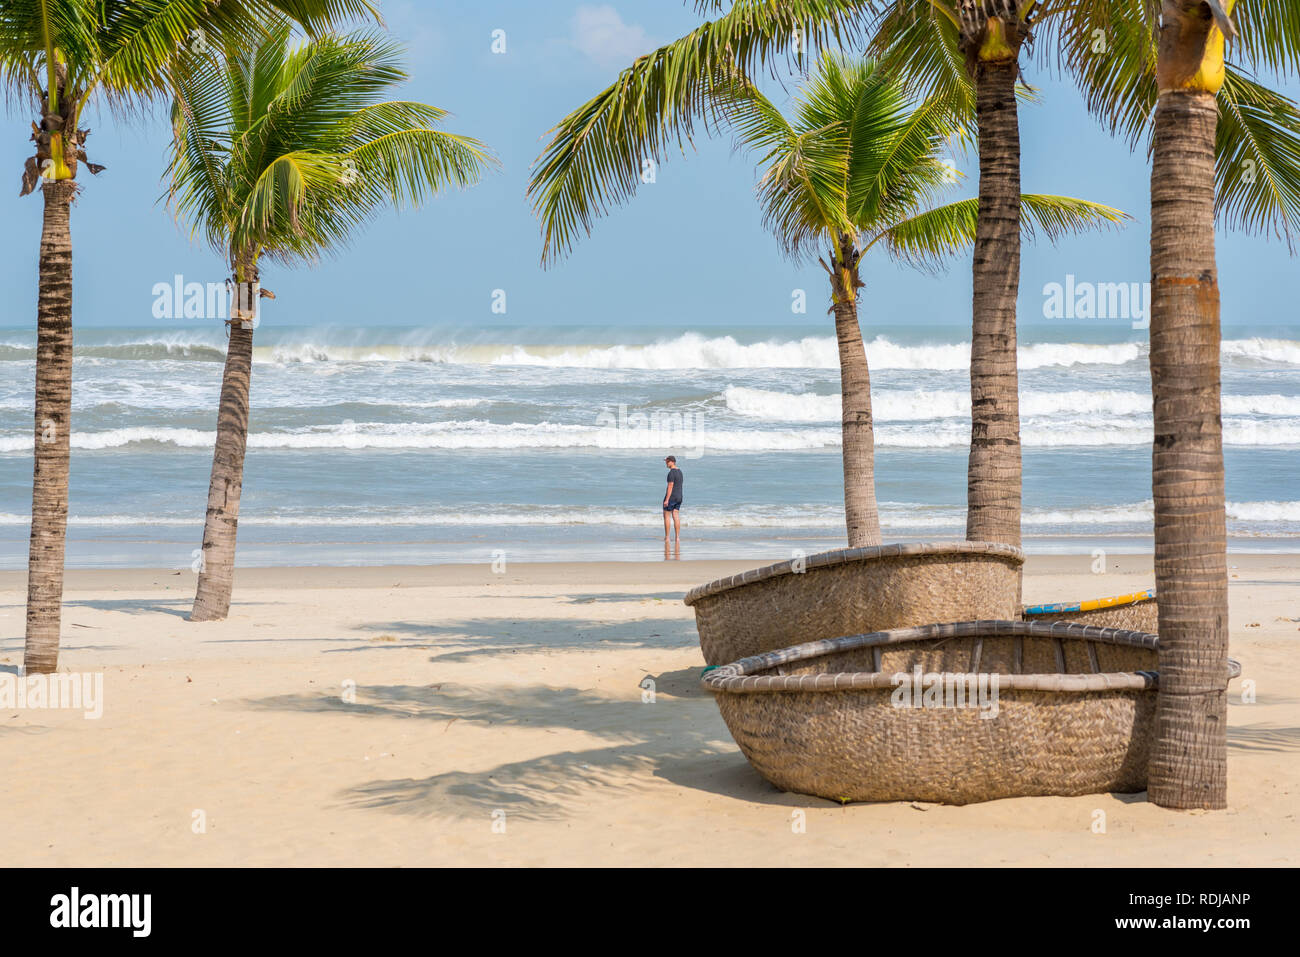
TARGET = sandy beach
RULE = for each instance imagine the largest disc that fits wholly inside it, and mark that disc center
(499, 719)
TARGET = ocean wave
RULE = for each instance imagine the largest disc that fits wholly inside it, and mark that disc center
(1093, 433)
(1271, 351)
(174, 398)
(810, 516)
(1128, 514)
(679, 433)
(781, 406)
(140, 349)
(461, 435)
(1144, 512)
(1264, 511)
(893, 515)
(889, 405)
(690, 350)
(695, 351)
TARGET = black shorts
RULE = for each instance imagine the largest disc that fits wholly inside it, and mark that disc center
(672, 506)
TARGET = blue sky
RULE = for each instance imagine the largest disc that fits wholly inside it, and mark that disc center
(688, 251)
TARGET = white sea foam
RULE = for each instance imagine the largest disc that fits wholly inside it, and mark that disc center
(919, 404)
(893, 515)
(781, 406)
(690, 350)
(476, 434)
(462, 435)
(693, 351)
(1277, 351)
(1264, 511)
(889, 405)
(144, 399)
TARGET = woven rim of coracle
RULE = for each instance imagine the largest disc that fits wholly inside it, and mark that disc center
(845, 556)
(739, 677)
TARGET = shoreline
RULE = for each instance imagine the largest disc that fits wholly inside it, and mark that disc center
(132, 552)
(588, 573)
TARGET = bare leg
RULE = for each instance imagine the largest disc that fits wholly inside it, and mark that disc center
(677, 524)
(665, 526)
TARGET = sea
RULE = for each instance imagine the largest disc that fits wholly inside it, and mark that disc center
(492, 444)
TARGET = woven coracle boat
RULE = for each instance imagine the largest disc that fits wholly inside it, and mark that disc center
(879, 717)
(1135, 612)
(854, 590)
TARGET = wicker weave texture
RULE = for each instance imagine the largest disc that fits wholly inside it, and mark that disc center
(821, 719)
(856, 746)
(853, 591)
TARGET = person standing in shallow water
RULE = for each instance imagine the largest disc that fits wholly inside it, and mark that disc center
(673, 499)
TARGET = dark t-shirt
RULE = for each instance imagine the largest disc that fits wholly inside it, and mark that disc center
(675, 476)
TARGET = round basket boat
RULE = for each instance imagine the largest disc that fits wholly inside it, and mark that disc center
(1135, 612)
(853, 590)
(956, 713)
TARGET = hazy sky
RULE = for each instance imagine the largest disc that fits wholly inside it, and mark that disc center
(689, 250)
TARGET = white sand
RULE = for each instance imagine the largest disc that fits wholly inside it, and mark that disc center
(518, 694)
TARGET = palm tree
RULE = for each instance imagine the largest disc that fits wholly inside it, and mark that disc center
(57, 54)
(281, 152)
(969, 52)
(1189, 764)
(1222, 145)
(991, 33)
(857, 166)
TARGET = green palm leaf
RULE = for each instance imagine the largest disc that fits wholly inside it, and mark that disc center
(1268, 35)
(917, 40)
(286, 150)
(859, 157)
(930, 238)
(1257, 147)
(1109, 47)
(596, 154)
(128, 52)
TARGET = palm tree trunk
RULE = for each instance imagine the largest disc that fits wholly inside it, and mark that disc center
(1188, 766)
(53, 426)
(993, 475)
(217, 567)
(858, 444)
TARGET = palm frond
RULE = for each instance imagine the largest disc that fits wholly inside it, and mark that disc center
(1109, 47)
(1268, 35)
(409, 165)
(895, 165)
(930, 238)
(595, 156)
(128, 51)
(916, 40)
(289, 149)
(1257, 168)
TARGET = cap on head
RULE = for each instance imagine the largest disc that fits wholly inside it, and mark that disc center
(671, 458)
